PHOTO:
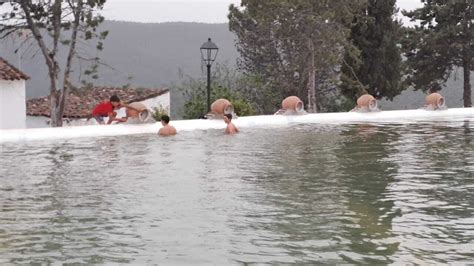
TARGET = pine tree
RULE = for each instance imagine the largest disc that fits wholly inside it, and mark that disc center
(375, 64)
(443, 40)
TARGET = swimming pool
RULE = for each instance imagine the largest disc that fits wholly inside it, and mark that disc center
(327, 193)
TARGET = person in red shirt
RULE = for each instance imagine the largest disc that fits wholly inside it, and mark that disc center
(106, 109)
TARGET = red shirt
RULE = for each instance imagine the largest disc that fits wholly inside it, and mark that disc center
(103, 109)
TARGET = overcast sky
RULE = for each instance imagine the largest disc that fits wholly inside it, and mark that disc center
(207, 11)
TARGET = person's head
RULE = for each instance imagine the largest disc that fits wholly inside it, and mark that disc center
(165, 120)
(115, 100)
(227, 118)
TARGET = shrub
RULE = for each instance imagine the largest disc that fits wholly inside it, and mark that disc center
(158, 112)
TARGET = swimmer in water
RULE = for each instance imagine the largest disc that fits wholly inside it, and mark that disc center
(166, 130)
(230, 129)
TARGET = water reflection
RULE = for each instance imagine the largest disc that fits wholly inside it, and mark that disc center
(467, 131)
(432, 189)
(366, 172)
(364, 193)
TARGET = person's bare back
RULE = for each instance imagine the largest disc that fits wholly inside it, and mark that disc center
(166, 130)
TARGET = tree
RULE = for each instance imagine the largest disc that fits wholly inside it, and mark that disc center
(49, 22)
(443, 40)
(289, 46)
(375, 64)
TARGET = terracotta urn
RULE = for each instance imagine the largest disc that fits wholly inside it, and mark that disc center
(367, 101)
(435, 100)
(292, 103)
(142, 115)
(221, 107)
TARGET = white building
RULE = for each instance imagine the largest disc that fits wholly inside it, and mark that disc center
(81, 102)
(12, 96)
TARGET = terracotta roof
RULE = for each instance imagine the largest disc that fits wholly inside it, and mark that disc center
(9, 72)
(80, 102)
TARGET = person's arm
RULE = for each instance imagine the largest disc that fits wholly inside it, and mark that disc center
(128, 106)
(112, 116)
(121, 120)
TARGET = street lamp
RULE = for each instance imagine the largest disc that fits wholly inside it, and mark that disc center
(208, 53)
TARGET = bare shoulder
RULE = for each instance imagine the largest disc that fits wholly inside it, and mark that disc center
(167, 131)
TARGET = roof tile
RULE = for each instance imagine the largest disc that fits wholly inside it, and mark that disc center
(9, 72)
(80, 102)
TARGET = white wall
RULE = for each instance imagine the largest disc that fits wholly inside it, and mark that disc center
(12, 104)
(42, 121)
(163, 100)
(36, 121)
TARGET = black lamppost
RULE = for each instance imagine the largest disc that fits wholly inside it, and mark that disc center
(209, 53)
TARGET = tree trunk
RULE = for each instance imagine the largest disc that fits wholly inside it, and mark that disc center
(72, 50)
(54, 98)
(56, 117)
(312, 106)
(53, 68)
(467, 59)
(467, 85)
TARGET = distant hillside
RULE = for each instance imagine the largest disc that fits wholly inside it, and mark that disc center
(153, 54)
(409, 99)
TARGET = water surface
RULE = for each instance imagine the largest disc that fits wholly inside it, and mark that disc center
(363, 193)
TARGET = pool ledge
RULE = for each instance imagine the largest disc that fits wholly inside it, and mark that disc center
(401, 116)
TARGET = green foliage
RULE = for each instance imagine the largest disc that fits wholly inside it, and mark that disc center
(196, 106)
(226, 83)
(293, 42)
(338, 104)
(442, 41)
(158, 112)
(265, 98)
(374, 63)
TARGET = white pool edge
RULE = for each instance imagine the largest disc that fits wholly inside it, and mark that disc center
(401, 116)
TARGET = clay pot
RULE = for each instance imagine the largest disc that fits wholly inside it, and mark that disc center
(292, 103)
(367, 101)
(143, 115)
(222, 106)
(435, 100)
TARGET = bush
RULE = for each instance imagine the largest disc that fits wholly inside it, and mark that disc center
(158, 112)
(196, 106)
(338, 104)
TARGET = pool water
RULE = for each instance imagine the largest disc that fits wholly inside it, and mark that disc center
(359, 193)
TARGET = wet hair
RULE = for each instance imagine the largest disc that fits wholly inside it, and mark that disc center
(228, 116)
(165, 118)
(114, 98)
